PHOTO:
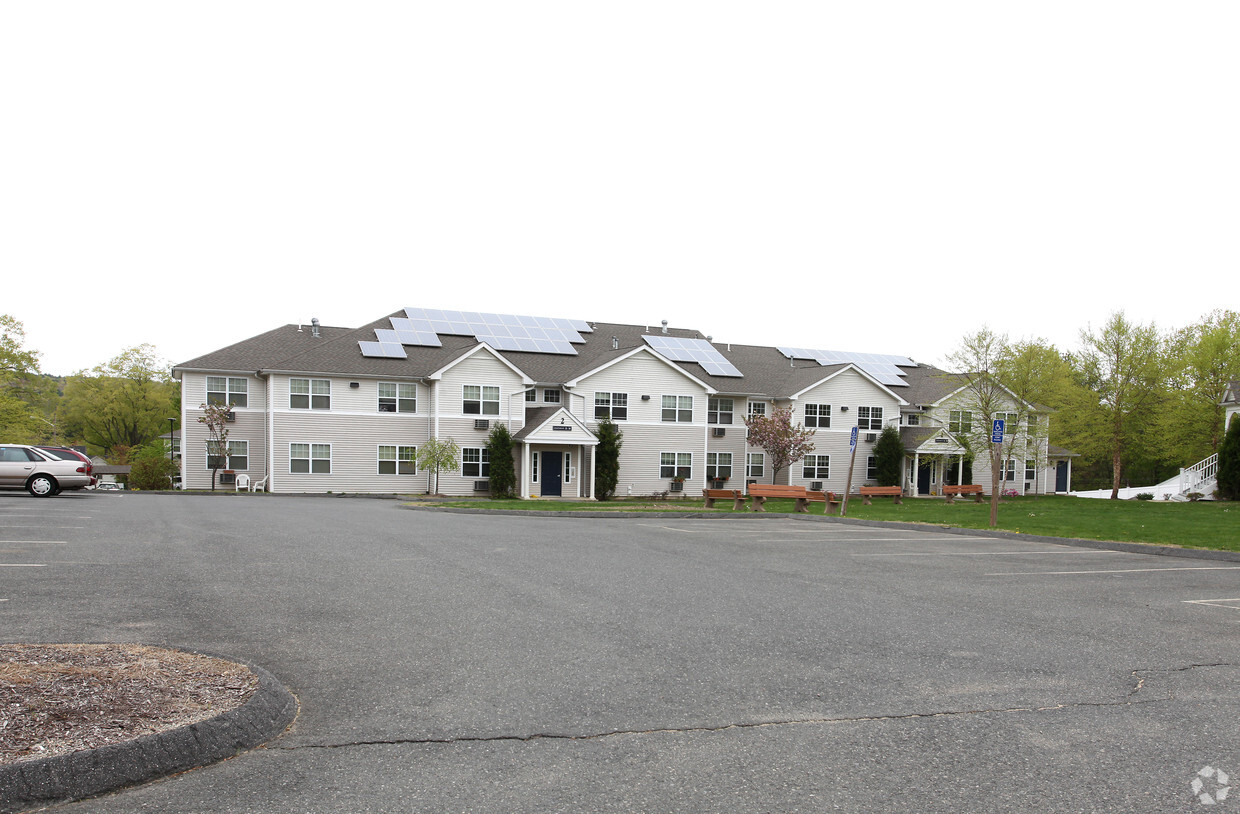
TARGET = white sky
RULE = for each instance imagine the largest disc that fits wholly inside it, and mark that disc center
(859, 176)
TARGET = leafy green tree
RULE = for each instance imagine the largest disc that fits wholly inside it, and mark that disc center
(151, 468)
(436, 454)
(20, 421)
(784, 442)
(1228, 473)
(215, 419)
(503, 477)
(16, 361)
(1201, 360)
(607, 459)
(889, 457)
(124, 402)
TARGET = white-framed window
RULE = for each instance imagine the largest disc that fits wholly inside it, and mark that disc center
(757, 408)
(816, 467)
(227, 390)
(238, 457)
(1011, 422)
(312, 459)
(611, 405)
(871, 468)
(531, 395)
(1031, 424)
(395, 459)
(310, 394)
(551, 396)
(818, 415)
(398, 397)
(480, 400)
(870, 418)
(718, 465)
(719, 410)
(678, 409)
(676, 465)
(568, 467)
(913, 419)
(960, 421)
(534, 461)
(755, 464)
(1031, 470)
(476, 462)
(1008, 469)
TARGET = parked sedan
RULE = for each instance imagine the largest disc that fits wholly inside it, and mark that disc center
(38, 472)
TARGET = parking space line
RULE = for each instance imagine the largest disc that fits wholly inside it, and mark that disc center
(1218, 603)
(33, 542)
(23, 565)
(1120, 571)
(43, 526)
(976, 553)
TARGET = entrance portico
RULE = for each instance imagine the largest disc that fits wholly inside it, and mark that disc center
(928, 453)
(556, 454)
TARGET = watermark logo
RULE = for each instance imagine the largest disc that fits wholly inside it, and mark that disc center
(1210, 786)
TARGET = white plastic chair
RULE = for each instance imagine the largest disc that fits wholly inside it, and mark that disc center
(259, 485)
(243, 483)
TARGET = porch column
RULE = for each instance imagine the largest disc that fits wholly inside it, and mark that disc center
(1069, 475)
(916, 474)
(960, 471)
(525, 470)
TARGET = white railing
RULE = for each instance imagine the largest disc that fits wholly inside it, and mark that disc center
(1194, 476)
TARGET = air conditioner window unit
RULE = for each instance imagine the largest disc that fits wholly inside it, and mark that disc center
(481, 424)
(482, 486)
(230, 416)
(871, 437)
(720, 432)
(815, 486)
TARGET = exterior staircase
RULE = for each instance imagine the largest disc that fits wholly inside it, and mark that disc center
(1200, 478)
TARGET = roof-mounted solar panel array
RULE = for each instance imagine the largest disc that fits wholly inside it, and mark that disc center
(884, 368)
(512, 332)
(680, 349)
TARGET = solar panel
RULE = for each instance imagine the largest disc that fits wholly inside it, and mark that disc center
(513, 332)
(884, 368)
(680, 349)
(382, 350)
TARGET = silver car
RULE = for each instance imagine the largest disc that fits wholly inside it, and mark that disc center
(29, 468)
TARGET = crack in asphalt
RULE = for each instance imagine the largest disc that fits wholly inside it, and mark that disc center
(1139, 677)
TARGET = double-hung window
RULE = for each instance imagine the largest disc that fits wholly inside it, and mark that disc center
(481, 400)
(611, 405)
(313, 459)
(719, 411)
(476, 462)
(551, 396)
(531, 394)
(818, 415)
(310, 394)
(718, 465)
(960, 421)
(676, 465)
(869, 418)
(237, 457)
(224, 390)
(756, 462)
(397, 460)
(1030, 470)
(757, 408)
(1008, 469)
(398, 397)
(816, 467)
(678, 409)
(871, 468)
(1011, 422)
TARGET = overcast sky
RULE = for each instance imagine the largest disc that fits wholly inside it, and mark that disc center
(857, 176)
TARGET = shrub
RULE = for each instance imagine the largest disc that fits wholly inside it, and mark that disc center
(503, 477)
(607, 459)
(152, 473)
(1145, 496)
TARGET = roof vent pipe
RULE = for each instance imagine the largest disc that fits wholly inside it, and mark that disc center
(314, 326)
(615, 343)
(665, 326)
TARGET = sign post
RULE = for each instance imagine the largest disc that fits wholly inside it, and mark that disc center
(996, 461)
(852, 450)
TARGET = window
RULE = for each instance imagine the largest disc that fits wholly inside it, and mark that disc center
(678, 408)
(870, 418)
(238, 456)
(1010, 422)
(568, 467)
(719, 411)
(476, 462)
(551, 396)
(818, 415)
(755, 461)
(1031, 423)
(914, 420)
(757, 408)
(611, 405)
(676, 465)
(310, 394)
(314, 459)
(397, 397)
(871, 468)
(1031, 470)
(1008, 470)
(481, 400)
(718, 465)
(398, 460)
(227, 390)
(816, 467)
(531, 395)
(960, 421)
(534, 463)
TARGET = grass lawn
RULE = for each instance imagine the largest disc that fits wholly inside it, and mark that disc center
(1207, 524)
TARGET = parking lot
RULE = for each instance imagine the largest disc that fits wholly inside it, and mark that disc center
(454, 662)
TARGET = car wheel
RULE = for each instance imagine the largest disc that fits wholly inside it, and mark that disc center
(42, 486)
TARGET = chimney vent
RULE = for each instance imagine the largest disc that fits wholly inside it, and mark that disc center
(615, 342)
(314, 326)
(665, 326)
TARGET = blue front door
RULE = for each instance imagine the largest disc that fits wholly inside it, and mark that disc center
(552, 474)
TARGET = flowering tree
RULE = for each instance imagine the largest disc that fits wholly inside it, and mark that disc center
(215, 418)
(436, 454)
(785, 443)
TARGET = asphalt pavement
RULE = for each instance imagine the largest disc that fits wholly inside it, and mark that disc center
(451, 662)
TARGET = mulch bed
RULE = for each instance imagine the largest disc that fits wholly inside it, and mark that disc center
(61, 698)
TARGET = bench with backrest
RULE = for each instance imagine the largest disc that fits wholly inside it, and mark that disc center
(975, 489)
(759, 492)
(893, 492)
(735, 495)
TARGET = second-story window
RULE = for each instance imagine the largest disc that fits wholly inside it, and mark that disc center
(481, 400)
(719, 411)
(551, 396)
(870, 418)
(678, 408)
(227, 390)
(310, 394)
(398, 397)
(818, 415)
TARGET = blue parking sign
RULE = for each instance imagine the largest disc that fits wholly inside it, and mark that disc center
(996, 434)
(852, 440)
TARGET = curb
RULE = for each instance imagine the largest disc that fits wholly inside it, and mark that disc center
(1105, 545)
(267, 713)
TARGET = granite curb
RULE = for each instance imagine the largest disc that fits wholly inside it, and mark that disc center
(266, 714)
(1105, 545)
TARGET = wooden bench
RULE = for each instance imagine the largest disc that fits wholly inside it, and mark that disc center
(759, 492)
(735, 495)
(893, 492)
(975, 489)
